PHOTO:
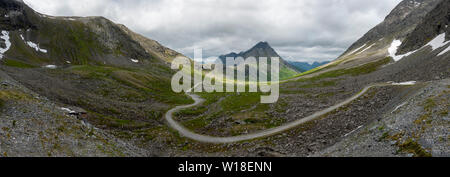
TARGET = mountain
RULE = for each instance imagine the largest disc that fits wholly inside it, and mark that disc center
(305, 66)
(120, 79)
(263, 49)
(152, 47)
(411, 44)
(405, 33)
(402, 20)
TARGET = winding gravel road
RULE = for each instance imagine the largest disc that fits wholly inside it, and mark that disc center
(264, 133)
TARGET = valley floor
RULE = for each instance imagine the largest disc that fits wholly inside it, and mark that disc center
(385, 121)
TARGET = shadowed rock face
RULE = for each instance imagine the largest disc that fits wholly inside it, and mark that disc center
(16, 15)
(435, 23)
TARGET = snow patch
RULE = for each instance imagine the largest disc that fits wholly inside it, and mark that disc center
(135, 61)
(50, 66)
(36, 47)
(356, 49)
(5, 36)
(366, 49)
(405, 83)
(393, 50)
(68, 110)
(437, 42)
(33, 45)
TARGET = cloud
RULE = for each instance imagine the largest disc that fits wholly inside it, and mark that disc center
(302, 30)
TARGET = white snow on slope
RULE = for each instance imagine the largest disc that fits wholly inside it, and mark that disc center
(135, 61)
(5, 36)
(393, 50)
(68, 110)
(405, 83)
(366, 49)
(33, 45)
(437, 42)
(36, 47)
(356, 49)
(50, 66)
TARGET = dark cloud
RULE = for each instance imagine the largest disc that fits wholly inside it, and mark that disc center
(302, 30)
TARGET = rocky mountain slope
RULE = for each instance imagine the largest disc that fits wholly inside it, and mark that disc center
(417, 46)
(407, 32)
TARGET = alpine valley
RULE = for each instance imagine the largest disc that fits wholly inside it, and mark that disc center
(86, 86)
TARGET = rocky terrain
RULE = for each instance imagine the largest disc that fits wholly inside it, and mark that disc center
(418, 126)
(32, 125)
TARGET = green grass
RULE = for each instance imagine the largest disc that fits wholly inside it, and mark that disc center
(197, 123)
(286, 73)
(17, 64)
(356, 71)
(242, 101)
(313, 71)
(72, 41)
(146, 83)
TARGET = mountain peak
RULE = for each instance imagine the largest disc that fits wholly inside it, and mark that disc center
(262, 44)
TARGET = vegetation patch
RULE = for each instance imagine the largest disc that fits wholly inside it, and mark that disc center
(13, 95)
(17, 64)
(411, 146)
(360, 70)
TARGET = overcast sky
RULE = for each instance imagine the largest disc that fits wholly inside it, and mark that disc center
(300, 30)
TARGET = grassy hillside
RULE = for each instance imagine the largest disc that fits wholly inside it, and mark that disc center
(90, 63)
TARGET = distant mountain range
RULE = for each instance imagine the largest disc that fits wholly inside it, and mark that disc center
(305, 66)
